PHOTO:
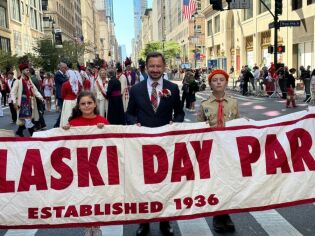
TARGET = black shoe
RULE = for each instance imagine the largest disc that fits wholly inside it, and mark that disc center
(229, 224)
(223, 223)
(218, 224)
(166, 228)
(143, 230)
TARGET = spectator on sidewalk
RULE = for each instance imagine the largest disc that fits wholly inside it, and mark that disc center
(306, 78)
(290, 83)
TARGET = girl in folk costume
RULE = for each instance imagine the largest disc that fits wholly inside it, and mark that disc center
(124, 86)
(48, 85)
(218, 109)
(101, 84)
(69, 92)
(23, 93)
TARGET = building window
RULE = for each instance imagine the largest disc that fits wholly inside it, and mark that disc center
(198, 5)
(309, 2)
(248, 13)
(3, 17)
(16, 10)
(209, 28)
(45, 5)
(5, 44)
(262, 8)
(198, 29)
(297, 4)
(217, 24)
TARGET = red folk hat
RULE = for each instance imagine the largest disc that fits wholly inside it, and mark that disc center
(23, 66)
(216, 72)
(82, 67)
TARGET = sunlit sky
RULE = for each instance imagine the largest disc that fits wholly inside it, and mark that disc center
(124, 26)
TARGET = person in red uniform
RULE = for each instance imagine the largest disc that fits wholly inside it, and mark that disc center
(69, 92)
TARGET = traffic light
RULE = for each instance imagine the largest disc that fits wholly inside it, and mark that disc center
(278, 7)
(216, 5)
(281, 49)
(270, 49)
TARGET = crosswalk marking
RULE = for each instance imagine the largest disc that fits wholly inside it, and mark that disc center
(21, 232)
(113, 230)
(274, 224)
(194, 227)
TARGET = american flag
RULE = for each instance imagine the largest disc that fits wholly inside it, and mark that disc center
(189, 7)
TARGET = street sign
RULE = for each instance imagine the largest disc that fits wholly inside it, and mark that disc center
(240, 4)
(286, 23)
(289, 23)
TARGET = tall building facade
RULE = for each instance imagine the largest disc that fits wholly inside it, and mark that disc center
(5, 32)
(64, 16)
(139, 9)
(90, 24)
(241, 37)
(26, 24)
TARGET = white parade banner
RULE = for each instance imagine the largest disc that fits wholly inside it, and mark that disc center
(127, 174)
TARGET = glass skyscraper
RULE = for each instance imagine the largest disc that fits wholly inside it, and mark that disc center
(139, 9)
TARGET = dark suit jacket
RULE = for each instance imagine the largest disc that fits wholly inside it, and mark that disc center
(140, 109)
(59, 80)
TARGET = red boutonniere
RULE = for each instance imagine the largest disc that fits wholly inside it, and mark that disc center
(165, 93)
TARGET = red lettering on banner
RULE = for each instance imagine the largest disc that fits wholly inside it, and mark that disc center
(117, 208)
(203, 156)
(98, 211)
(58, 211)
(275, 156)
(113, 165)
(149, 153)
(249, 152)
(32, 163)
(182, 165)
(300, 143)
(131, 208)
(46, 213)
(71, 212)
(87, 167)
(66, 173)
(143, 207)
(156, 207)
(85, 210)
(33, 213)
(6, 186)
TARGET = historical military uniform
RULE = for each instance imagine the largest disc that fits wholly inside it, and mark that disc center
(209, 110)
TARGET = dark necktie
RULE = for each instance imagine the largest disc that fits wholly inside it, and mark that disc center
(154, 99)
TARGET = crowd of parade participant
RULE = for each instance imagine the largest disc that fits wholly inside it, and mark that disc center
(281, 81)
(121, 95)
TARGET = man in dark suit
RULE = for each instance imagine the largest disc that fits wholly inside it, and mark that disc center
(60, 78)
(153, 103)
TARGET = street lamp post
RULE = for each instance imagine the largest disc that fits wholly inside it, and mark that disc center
(194, 16)
(52, 21)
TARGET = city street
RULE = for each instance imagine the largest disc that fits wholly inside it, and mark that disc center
(292, 221)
